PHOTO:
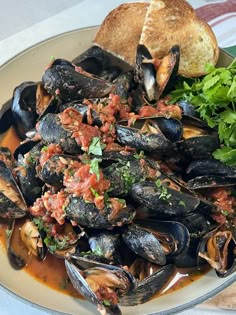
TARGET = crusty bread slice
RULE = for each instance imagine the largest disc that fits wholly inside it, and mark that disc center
(120, 32)
(168, 23)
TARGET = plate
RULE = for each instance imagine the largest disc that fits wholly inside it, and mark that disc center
(29, 65)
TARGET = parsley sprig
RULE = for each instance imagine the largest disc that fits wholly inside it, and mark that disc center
(214, 97)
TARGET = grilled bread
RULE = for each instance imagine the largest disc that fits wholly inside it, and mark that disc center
(169, 22)
(120, 32)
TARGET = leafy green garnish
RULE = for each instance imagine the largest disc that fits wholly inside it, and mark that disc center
(95, 193)
(164, 195)
(96, 146)
(106, 302)
(94, 167)
(214, 97)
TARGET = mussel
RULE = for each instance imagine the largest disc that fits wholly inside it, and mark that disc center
(218, 249)
(73, 83)
(87, 214)
(156, 135)
(103, 285)
(11, 200)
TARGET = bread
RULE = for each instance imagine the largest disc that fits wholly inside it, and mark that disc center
(169, 22)
(120, 32)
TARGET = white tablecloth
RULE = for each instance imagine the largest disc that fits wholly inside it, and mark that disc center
(27, 22)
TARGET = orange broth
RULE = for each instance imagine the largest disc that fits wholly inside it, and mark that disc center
(51, 271)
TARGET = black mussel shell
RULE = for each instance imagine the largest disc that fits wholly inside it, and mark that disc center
(24, 107)
(52, 131)
(52, 172)
(11, 200)
(164, 202)
(86, 214)
(145, 72)
(144, 244)
(210, 181)
(149, 286)
(209, 167)
(70, 84)
(156, 135)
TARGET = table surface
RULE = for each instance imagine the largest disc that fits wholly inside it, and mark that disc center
(27, 22)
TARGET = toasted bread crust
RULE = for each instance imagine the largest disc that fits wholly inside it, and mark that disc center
(170, 22)
(120, 32)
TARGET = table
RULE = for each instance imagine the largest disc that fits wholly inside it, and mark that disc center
(27, 22)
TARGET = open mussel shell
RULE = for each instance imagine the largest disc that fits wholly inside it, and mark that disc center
(172, 204)
(149, 286)
(156, 77)
(145, 72)
(87, 214)
(174, 235)
(199, 140)
(52, 131)
(33, 240)
(218, 249)
(156, 135)
(12, 204)
(103, 276)
(167, 71)
(16, 261)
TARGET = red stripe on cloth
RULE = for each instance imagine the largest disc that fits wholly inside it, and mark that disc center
(211, 11)
(223, 19)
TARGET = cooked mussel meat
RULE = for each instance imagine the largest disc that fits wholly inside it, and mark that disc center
(156, 76)
(32, 240)
(103, 285)
(218, 249)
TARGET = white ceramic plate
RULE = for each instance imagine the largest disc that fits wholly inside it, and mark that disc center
(29, 65)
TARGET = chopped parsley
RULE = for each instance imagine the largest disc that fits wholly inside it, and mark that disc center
(182, 203)
(214, 97)
(94, 167)
(164, 195)
(96, 146)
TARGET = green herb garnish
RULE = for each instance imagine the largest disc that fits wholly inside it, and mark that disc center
(164, 195)
(94, 167)
(96, 146)
(214, 97)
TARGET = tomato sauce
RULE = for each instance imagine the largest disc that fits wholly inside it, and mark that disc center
(51, 271)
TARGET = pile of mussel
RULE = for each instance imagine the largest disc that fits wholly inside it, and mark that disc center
(114, 180)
